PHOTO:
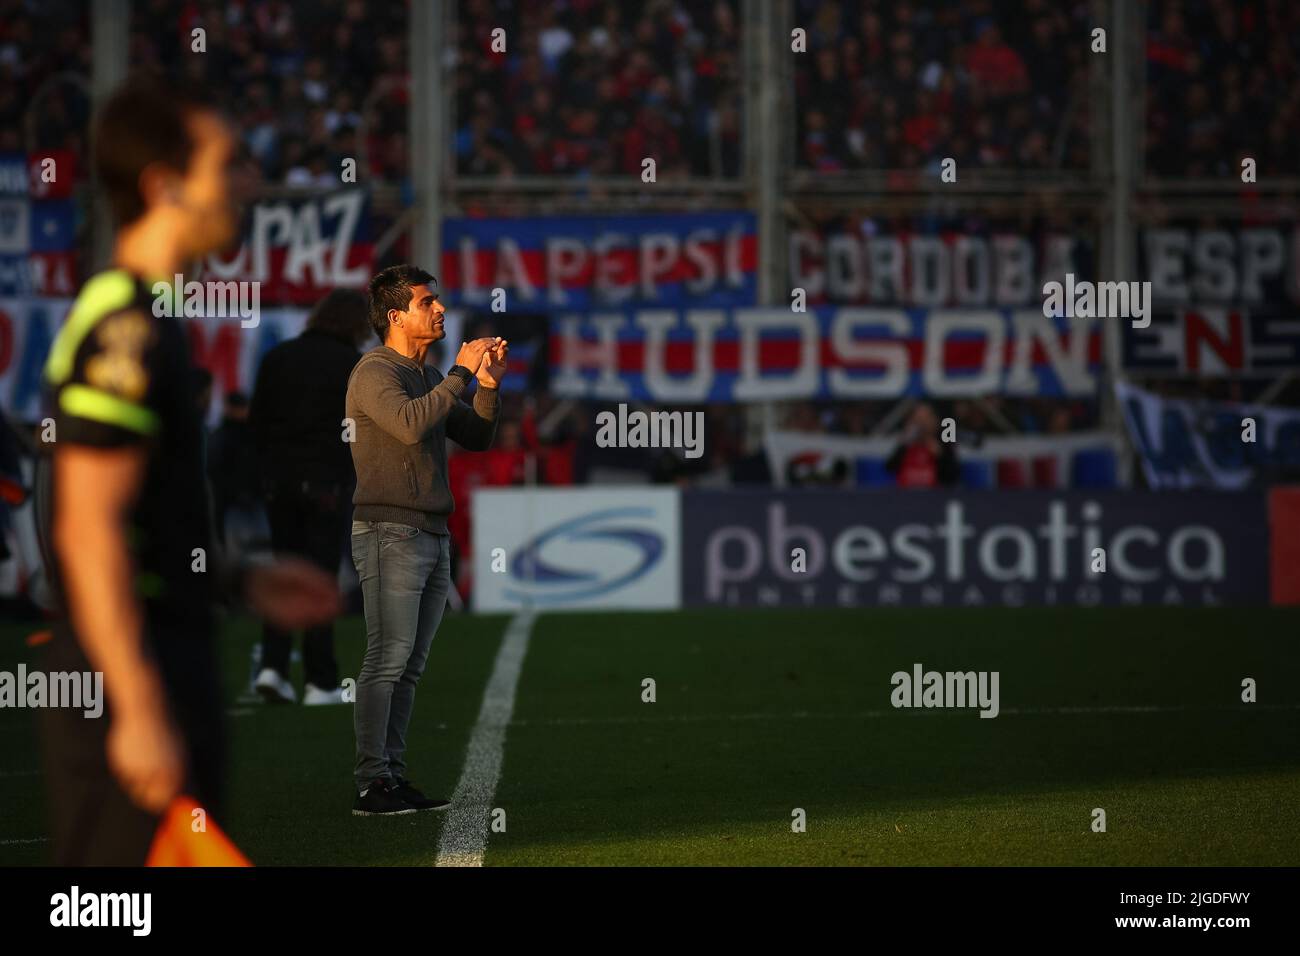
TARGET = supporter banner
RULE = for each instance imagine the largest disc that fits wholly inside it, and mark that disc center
(41, 175)
(223, 346)
(698, 355)
(970, 265)
(15, 226)
(1214, 342)
(972, 549)
(27, 329)
(576, 548)
(52, 274)
(1186, 444)
(38, 224)
(299, 249)
(232, 353)
(1190, 266)
(578, 262)
(1052, 461)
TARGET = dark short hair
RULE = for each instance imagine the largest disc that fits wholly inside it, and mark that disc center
(145, 121)
(391, 289)
(341, 315)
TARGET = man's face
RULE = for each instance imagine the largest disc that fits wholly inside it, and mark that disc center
(422, 320)
(206, 199)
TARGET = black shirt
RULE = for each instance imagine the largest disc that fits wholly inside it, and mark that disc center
(120, 376)
(298, 408)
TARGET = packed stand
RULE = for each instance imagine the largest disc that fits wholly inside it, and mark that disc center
(905, 85)
(591, 88)
(1223, 83)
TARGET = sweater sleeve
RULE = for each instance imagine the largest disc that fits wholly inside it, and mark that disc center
(377, 390)
(474, 428)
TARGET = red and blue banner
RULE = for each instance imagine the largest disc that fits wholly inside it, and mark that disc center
(300, 248)
(38, 224)
(1215, 342)
(719, 355)
(596, 262)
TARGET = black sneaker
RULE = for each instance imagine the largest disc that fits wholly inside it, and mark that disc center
(380, 799)
(415, 798)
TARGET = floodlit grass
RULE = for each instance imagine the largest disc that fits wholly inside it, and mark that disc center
(757, 713)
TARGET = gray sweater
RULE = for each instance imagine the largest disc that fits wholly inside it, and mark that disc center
(404, 412)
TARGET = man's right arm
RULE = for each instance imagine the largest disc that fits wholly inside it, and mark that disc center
(377, 390)
(95, 489)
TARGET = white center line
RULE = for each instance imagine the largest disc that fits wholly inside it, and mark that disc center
(464, 835)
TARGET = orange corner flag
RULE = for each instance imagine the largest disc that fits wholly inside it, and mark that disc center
(179, 843)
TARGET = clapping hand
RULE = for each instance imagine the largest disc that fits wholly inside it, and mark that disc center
(493, 368)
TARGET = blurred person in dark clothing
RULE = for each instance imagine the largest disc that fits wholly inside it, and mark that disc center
(921, 460)
(302, 449)
(122, 503)
(234, 475)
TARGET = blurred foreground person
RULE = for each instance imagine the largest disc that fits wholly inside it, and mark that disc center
(297, 419)
(133, 564)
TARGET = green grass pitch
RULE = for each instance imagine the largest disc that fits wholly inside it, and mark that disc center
(759, 712)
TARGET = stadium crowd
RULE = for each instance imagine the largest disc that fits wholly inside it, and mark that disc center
(903, 85)
(1223, 82)
(900, 85)
(590, 87)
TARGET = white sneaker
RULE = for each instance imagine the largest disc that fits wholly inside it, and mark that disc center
(313, 695)
(274, 688)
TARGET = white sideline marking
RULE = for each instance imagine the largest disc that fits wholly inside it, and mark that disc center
(902, 711)
(464, 835)
(33, 840)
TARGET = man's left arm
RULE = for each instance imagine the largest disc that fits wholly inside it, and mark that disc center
(474, 428)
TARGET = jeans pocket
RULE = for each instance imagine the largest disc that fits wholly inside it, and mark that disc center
(392, 531)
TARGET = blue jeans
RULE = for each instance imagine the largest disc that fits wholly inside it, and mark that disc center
(405, 575)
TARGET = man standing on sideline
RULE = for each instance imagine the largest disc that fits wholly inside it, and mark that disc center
(127, 529)
(297, 421)
(404, 412)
